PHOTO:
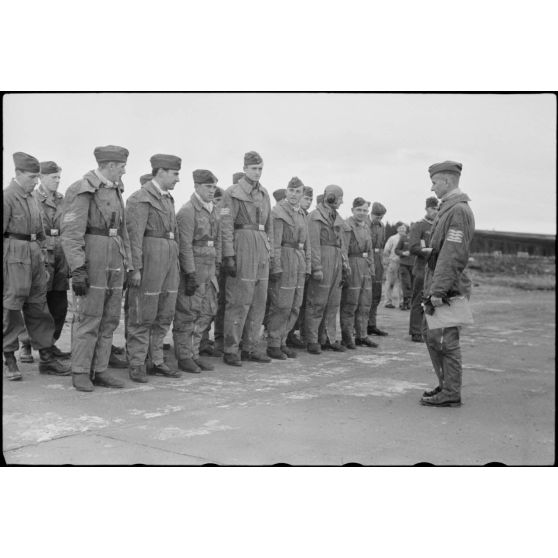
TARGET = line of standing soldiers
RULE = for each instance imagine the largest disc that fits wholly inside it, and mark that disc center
(210, 261)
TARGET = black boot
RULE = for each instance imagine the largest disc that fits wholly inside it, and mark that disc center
(25, 354)
(82, 382)
(48, 364)
(57, 353)
(12, 371)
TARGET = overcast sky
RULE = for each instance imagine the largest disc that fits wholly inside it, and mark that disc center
(377, 146)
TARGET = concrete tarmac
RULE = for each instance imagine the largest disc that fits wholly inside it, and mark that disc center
(337, 408)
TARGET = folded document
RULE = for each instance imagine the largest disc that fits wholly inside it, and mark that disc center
(456, 313)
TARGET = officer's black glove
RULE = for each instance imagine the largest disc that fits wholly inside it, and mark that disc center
(191, 284)
(230, 266)
(80, 281)
(275, 277)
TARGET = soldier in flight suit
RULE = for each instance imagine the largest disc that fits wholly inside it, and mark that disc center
(95, 242)
(289, 266)
(378, 234)
(452, 233)
(24, 272)
(247, 229)
(153, 285)
(200, 259)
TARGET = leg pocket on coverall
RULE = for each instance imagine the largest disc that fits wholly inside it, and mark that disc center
(17, 277)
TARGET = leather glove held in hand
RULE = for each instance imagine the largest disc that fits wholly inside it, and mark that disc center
(318, 275)
(80, 281)
(230, 266)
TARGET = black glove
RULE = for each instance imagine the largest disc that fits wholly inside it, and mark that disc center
(191, 284)
(80, 281)
(275, 276)
(230, 266)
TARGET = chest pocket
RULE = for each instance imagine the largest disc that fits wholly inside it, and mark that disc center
(205, 228)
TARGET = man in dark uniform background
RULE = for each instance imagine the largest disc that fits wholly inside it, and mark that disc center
(378, 234)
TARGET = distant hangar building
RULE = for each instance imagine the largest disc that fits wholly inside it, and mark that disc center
(526, 244)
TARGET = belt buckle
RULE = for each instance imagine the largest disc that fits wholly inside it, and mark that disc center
(376, 250)
(261, 228)
(365, 254)
(33, 236)
(113, 232)
(210, 243)
(171, 236)
(301, 246)
(53, 232)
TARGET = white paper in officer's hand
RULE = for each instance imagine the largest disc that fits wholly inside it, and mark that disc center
(457, 313)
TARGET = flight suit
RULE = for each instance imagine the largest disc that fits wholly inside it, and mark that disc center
(153, 233)
(419, 237)
(405, 270)
(199, 253)
(94, 234)
(24, 272)
(247, 230)
(291, 258)
(378, 236)
(325, 229)
(356, 296)
(452, 233)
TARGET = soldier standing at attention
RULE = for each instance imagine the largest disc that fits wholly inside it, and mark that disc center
(325, 229)
(25, 275)
(200, 259)
(153, 285)
(406, 263)
(292, 339)
(95, 242)
(378, 235)
(247, 229)
(289, 266)
(419, 240)
(50, 205)
(356, 296)
(452, 233)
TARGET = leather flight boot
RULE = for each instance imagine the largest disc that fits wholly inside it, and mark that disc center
(277, 353)
(441, 400)
(294, 341)
(232, 359)
(373, 330)
(335, 346)
(12, 371)
(116, 361)
(203, 364)
(348, 342)
(417, 338)
(291, 353)
(56, 352)
(189, 365)
(50, 365)
(431, 392)
(82, 382)
(25, 354)
(255, 356)
(163, 370)
(138, 374)
(367, 342)
(314, 348)
(104, 379)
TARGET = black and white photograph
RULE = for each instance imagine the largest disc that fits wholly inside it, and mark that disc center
(279, 278)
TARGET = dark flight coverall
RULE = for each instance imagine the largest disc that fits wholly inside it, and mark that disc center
(199, 253)
(291, 257)
(24, 272)
(325, 229)
(247, 230)
(94, 234)
(452, 233)
(419, 237)
(378, 235)
(356, 296)
(153, 233)
(406, 264)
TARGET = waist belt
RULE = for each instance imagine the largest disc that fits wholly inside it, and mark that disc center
(209, 243)
(103, 232)
(358, 254)
(249, 227)
(295, 245)
(27, 237)
(158, 234)
(377, 250)
(52, 232)
(328, 243)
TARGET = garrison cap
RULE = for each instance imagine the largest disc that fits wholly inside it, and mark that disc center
(431, 202)
(446, 166)
(162, 161)
(145, 178)
(202, 176)
(280, 194)
(218, 192)
(49, 167)
(378, 209)
(295, 182)
(308, 191)
(25, 162)
(252, 158)
(359, 202)
(111, 153)
(237, 176)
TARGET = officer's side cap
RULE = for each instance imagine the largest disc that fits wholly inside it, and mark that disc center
(446, 166)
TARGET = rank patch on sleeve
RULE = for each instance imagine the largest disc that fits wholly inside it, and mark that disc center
(455, 235)
(225, 211)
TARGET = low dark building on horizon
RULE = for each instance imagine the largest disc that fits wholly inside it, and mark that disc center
(490, 242)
